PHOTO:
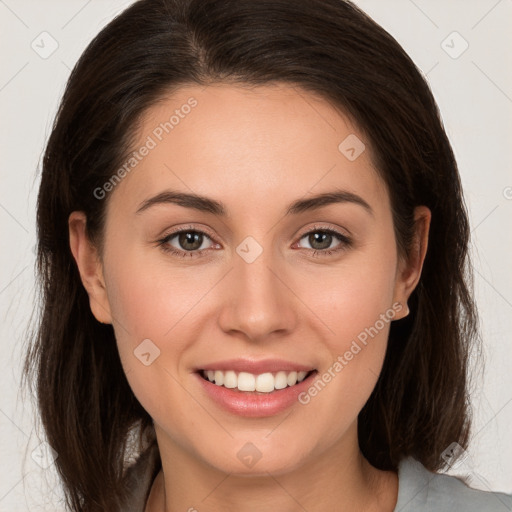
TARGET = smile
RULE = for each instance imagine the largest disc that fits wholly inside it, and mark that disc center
(249, 382)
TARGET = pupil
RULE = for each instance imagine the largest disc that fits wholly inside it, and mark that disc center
(190, 237)
(322, 237)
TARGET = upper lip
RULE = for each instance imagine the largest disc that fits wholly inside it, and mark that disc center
(256, 367)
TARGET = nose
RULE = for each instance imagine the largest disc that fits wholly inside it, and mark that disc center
(258, 301)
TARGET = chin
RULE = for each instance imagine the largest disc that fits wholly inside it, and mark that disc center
(251, 459)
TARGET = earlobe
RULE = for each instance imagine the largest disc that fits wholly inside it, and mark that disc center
(90, 267)
(409, 271)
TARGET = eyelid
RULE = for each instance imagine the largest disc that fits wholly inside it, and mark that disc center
(197, 229)
(326, 227)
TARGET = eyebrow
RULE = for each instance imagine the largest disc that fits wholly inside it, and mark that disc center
(205, 204)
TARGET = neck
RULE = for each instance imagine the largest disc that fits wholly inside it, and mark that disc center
(340, 479)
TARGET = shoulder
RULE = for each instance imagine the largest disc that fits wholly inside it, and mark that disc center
(138, 479)
(420, 490)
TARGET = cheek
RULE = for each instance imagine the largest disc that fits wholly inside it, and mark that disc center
(156, 310)
(351, 297)
(150, 299)
(356, 304)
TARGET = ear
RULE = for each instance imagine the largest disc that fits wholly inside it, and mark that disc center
(89, 266)
(409, 268)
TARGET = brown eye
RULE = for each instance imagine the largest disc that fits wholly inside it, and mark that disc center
(190, 240)
(185, 242)
(321, 240)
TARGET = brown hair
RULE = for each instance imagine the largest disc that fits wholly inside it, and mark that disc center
(327, 47)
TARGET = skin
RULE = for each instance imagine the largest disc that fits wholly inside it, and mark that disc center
(256, 150)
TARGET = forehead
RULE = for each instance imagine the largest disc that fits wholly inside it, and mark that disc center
(249, 144)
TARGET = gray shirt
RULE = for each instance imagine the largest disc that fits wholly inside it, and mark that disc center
(419, 490)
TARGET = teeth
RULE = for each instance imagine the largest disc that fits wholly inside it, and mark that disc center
(230, 380)
(264, 382)
(301, 376)
(246, 382)
(292, 378)
(280, 380)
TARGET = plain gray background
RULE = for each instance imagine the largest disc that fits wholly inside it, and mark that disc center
(473, 87)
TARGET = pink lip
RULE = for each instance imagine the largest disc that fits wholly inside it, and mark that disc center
(254, 404)
(256, 367)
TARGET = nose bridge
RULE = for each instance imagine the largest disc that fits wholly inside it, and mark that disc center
(259, 301)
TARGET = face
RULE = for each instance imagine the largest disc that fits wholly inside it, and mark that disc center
(265, 277)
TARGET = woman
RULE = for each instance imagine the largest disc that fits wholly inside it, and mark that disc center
(253, 252)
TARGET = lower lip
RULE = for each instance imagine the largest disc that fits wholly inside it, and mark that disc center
(255, 404)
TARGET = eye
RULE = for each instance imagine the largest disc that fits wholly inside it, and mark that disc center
(190, 242)
(185, 242)
(320, 241)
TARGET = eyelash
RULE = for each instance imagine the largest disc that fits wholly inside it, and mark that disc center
(345, 242)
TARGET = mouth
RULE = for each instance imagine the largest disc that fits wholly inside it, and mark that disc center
(254, 389)
(262, 383)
